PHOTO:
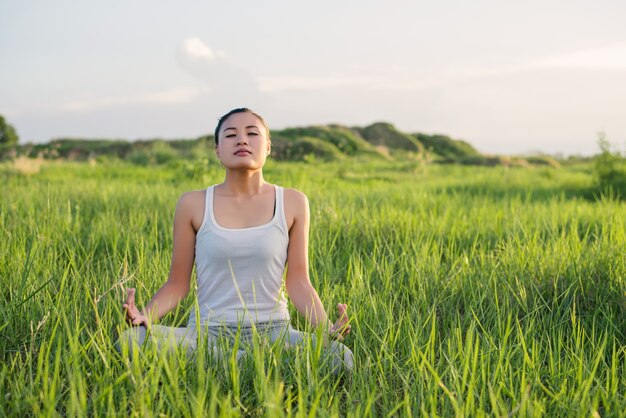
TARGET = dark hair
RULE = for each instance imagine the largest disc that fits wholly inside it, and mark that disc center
(238, 110)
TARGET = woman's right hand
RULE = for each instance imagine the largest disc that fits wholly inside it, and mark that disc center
(133, 315)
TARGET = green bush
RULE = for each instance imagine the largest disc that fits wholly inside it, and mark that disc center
(445, 146)
(139, 157)
(610, 170)
(163, 153)
(157, 152)
(543, 160)
(487, 161)
(8, 136)
(476, 160)
(82, 149)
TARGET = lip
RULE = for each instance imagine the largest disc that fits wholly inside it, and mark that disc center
(243, 152)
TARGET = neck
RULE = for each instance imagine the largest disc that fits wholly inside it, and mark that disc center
(243, 182)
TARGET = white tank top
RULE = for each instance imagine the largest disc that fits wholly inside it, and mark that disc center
(240, 271)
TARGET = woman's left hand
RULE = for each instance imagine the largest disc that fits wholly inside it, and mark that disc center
(340, 328)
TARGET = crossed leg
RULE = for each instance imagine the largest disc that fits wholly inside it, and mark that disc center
(340, 356)
(172, 339)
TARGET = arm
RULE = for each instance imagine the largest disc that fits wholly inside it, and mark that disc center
(177, 285)
(298, 283)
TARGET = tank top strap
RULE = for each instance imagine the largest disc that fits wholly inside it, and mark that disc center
(208, 208)
(280, 208)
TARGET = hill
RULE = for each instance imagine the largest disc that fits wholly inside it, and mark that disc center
(386, 135)
(326, 142)
(445, 146)
(379, 140)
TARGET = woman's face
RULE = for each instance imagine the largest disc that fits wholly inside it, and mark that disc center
(243, 142)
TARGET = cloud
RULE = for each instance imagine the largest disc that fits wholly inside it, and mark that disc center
(556, 101)
(400, 79)
(230, 83)
(234, 86)
(166, 97)
(609, 57)
(196, 50)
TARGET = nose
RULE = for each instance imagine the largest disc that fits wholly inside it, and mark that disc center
(242, 140)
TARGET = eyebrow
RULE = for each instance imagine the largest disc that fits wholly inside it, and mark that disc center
(247, 127)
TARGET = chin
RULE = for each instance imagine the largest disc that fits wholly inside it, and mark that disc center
(249, 165)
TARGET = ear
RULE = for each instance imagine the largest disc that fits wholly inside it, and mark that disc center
(269, 147)
(217, 151)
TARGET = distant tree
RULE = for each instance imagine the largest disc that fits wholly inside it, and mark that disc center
(610, 169)
(8, 136)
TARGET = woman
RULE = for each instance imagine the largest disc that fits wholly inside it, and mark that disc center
(242, 233)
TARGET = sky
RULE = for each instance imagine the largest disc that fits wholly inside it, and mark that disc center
(508, 77)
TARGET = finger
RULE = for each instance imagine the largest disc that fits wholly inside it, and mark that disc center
(342, 308)
(130, 317)
(341, 328)
(343, 314)
(130, 296)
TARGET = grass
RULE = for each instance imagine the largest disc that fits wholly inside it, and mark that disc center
(473, 291)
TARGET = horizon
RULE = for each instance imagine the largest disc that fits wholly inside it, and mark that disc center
(529, 153)
(471, 72)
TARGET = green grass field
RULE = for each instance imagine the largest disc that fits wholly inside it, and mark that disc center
(472, 292)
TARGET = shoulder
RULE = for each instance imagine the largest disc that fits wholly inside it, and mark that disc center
(296, 199)
(191, 198)
(296, 207)
(190, 207)
(191, 204)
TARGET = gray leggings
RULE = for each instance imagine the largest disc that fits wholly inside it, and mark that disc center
(167, 338)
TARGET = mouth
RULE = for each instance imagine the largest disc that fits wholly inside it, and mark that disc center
(242, 152)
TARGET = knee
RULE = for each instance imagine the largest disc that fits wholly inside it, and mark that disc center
(130, 340)
(342, 358)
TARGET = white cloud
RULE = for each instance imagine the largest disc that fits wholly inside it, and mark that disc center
(609, 57)
(226, 81)
(401, 79)
(612, 57)
(167, 97)
(196, 50)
